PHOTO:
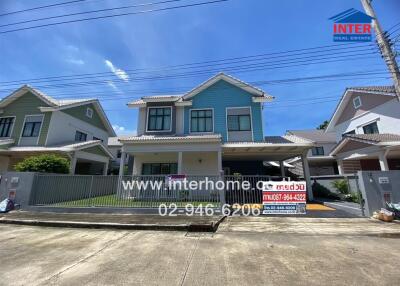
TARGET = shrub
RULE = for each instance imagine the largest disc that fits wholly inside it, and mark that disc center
(46, 163)
(341, 186)
(320, 191)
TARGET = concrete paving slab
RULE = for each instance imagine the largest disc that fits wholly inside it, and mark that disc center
(116, 221)
(268, 251)
(310, 226)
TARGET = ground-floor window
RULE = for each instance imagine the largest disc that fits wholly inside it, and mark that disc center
(159, 168)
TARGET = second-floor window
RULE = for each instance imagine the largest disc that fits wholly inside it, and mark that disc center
(318, 151)
(239, 122)
(32, 126)
(201, 120)
(371, 128)
(349, 133)
(6, 124)
(95, 138)
(159, 119)
(80, 136)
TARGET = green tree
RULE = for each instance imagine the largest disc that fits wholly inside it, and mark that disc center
(323, 125)
(341, 186)
(46, 163)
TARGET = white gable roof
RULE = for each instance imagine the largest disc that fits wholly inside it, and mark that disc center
(380, 90)
(234, 81)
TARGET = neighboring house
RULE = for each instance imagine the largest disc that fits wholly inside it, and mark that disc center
(114, 146)
(214, 128)
(319, 159)
(33, 123)
(366, 122)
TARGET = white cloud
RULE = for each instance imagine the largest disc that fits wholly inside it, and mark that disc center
(118, 128)
(112, 85)
(117, 71)
(121, 130)
(75, 61)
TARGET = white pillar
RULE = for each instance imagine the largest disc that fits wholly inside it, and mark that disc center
(282, 166)
(72, 164)
(306, 171)
(383, 161)
(180, 163)
(105, 170)
(137, 168)
(219, 162)
(340, 167)
(122, 163)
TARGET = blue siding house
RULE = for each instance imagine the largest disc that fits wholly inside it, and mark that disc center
(215, 128)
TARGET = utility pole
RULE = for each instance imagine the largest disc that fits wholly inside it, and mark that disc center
(384, 46)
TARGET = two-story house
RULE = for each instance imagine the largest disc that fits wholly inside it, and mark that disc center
(33, 123)
(215, 128)
(366, 123)
(320, 161)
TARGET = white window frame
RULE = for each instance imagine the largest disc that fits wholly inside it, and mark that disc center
(23, 127)
(12, 127)
(147, 119)
(354, 102)
(81, 131)
(89, 112)
(360, 128)
(190, 120)
(251, 121)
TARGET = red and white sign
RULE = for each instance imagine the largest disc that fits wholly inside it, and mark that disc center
(284, 197)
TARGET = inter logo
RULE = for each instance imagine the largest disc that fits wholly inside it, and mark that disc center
(352, 26)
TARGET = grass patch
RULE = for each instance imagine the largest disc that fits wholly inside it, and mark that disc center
(114, 201)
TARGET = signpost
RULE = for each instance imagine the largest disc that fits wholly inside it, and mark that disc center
(284, 197)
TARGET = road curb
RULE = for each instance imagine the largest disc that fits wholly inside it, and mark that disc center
(190, 227)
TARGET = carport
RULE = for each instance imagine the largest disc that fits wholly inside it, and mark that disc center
(274, 148)
(88, 158)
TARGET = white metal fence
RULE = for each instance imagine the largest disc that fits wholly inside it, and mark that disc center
(144, 191)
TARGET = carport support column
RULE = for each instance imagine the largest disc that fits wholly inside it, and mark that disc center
(122, 164)
(383, 160)
(180, 163)
(72, 164)
(219, 162)
(282, 165)
(121, 173)
(340, 167)
(105, 170)
(306, 171)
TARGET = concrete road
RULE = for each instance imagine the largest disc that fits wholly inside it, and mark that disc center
(244, 251)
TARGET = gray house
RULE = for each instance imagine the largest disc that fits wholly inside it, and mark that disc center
(319, 159)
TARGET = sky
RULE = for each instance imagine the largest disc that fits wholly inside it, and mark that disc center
(147, 53)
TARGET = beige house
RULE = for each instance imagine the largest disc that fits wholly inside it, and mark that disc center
(366, 123)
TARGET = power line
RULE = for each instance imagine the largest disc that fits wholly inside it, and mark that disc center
(116, 15)
(320, 78)
(237, 68)
(41, 7)
(90, 12)
(313, 50)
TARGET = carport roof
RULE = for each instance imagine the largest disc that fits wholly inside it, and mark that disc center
(59, 148)
(384, 139)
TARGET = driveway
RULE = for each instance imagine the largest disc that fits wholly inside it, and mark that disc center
(349, 208)
(258, 251)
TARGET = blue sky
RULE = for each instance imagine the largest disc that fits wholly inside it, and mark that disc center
(236, 28)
